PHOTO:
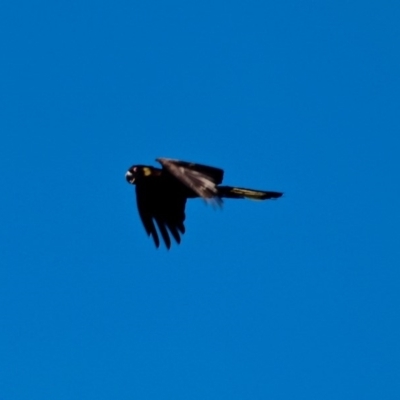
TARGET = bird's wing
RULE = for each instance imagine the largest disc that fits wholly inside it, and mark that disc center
(202, 179)
(166, 208)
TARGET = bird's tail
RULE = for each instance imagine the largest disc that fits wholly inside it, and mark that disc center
(242, 193)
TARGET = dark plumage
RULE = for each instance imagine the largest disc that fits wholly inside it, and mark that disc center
(161, 194)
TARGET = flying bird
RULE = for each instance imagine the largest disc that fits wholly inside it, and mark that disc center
(161, 194)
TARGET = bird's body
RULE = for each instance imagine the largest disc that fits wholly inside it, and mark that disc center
(161, 194)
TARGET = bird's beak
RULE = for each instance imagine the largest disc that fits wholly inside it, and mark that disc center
(129, 177)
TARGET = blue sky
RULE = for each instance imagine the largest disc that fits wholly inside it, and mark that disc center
(290, 299)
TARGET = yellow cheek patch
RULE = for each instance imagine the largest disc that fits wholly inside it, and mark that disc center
(146, 171)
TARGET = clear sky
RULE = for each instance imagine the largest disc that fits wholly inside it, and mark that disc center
(297, 298)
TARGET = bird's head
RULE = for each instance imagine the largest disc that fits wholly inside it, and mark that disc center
(138, 172)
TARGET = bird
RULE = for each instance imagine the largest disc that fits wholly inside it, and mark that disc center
(161, 194)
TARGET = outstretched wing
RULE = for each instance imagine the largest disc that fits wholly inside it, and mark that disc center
(202, 179)
(164, 207)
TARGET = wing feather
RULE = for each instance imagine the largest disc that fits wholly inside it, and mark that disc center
(164, 207)
(164, 233)
(202, 179)
(146, 215)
